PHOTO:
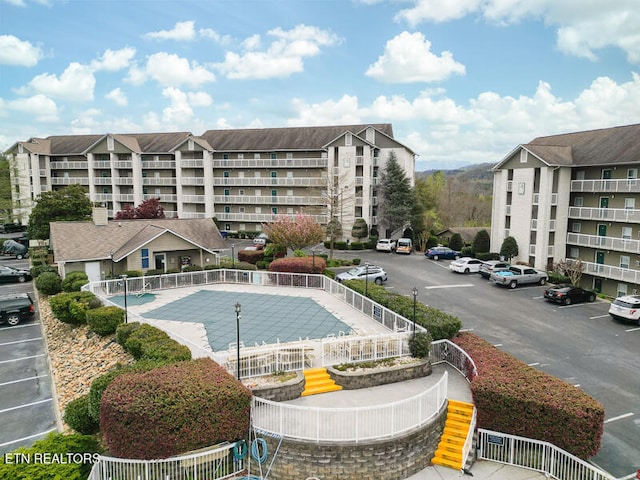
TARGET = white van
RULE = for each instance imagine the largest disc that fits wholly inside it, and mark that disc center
(404, 245)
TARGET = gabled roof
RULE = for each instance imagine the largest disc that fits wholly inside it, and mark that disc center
(616, 145)
(291, 138)
(86, 241)
(466, 233)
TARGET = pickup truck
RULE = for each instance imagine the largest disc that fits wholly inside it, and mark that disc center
(519, 275)
(14, 308)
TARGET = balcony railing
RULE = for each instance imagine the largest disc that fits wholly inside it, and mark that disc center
(269, 200)
(272, 181)
(608, 243)
(103, 197)
(193, 198)
(123, 180)
(159, 181)
(102, 180)
(123, 197)
(69, 180)
(69, 165)
(613, 273)
(192, 163)
(101, 164)
(193, 215)
(258, 217)
(269, 162)
(623, 185)
(164, 197)
(192, 180)
(123, 164)
(168, 164)
(608, 214)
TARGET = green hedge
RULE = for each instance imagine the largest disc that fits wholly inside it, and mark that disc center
(514, 398)
(173, 409)
(76, 415)
(72, 307)
(105, 320)
(49, 283)
(37, 270)
(488, 256)
(80, 447)
(74, 281)
(298, 265)
(147, 342)
(440, 325)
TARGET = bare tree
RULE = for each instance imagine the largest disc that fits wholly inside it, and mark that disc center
(339, 199)
(572, 268)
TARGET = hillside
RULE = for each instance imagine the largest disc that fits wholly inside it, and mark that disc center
(480, 175)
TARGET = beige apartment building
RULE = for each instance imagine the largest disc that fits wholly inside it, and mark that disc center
(242, 177)
(574, 196)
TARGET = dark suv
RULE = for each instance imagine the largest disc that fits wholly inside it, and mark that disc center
(15, 308)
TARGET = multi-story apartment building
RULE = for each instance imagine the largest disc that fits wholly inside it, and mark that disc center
(241, 177)
(574, 196)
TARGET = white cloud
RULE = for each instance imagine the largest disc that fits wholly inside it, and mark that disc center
(215, 36)
(39, 107)
(343, 111)
(199, 99)
(118, 97)
(283, 57)
(182, 31)
(437, 11)
(136, 75)
(172, 70)
(14, 51)
(180, 111)
(408, 58)
(76, 83)
(114, 60)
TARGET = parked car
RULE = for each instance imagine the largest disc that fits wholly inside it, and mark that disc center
(373, 273)
(493, 266)
(404, 245)
(568, 294)
(626, 308)
(11, 247)
(10, 274)
(15, 308)
(465, 265)
(385, 245)
(437, 253)
(519, 274)
(261, 239)
(12, 228)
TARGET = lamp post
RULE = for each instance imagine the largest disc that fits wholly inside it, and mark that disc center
(366, 279)
(238, 308)
(415, 295)
(233, 254)
(126, 315)
(111, 256)
(313, 260)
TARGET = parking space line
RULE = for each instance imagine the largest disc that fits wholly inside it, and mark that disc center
(21, 326)
(22, 358)
(21, 341)
(632, 329)
(450, 286)
(29, 437)
(598, 316)
(619, 417)
(534, 364)
(26, 405)
(23, 380)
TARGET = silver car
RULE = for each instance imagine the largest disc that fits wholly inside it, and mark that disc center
(373, 273)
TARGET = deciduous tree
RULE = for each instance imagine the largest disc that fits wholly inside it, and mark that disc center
(150, 208)
(68, 204)
(295, 232)
(570, 267)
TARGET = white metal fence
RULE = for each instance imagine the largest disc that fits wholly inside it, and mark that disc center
(535, 455)
(355, 348)
(209, 464)
(449, 352)
(349, 424)
(267, 360)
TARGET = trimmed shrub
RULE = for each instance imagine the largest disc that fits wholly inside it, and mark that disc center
(298, 265)
(74, 281)
(514, 398)
(481, 242)
(420, 345)
(356, 246)
(54, 443)
(153, 344)
(329, 273)
(100, 384)
(488, 256)
(38, 270)
(173, 409)
(262, 265)
(555, 277)
(72, 307)
(251, 256)
(105, 320)
(76, 415)
(153, 272)
(466, 252)
(455, 242)
(124, 330)
(192, 268)
(49, 283)
(133, 273)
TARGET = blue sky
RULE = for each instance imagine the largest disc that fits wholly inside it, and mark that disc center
(462, 81)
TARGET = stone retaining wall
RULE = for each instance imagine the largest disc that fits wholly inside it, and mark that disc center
(380, 376)
(389, 459)
(283, 391)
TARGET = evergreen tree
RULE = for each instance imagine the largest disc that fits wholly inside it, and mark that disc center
(360, 229)
(395, 195)
(68, 204)
(455, 242)
(481, 242)
(509, 248)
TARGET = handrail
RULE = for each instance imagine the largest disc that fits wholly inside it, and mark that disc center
(468, 442)
(447, 351)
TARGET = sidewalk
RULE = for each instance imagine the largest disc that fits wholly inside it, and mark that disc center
(480, 470)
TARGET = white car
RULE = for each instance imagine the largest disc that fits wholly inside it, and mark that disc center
(372, 273)
(385, 245)
(465, 265)
(626, 308)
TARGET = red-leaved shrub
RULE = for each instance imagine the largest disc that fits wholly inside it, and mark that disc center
(512, 397)
(173, 409)
(251, 256)
(298, 265)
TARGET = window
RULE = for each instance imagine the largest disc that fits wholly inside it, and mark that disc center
(227, 226)
(621, 290)
(627, 233)
(225, 156)
(574, 252)
(110, 144)
(274, 193)
(241, 191)
(273, 156)
(225, 174)
(290, 210)
(256, 156)
(241, 209)
(190, 145)
(256, 174)
(258, 209)
(632, 173)
(629, 203)
(289, 174)
(258, 192)
(241, 156)
(580, 175)
(348, 139)
(624, 261)
(227, 209)
(145, 190)
(105, 174)
(145, 257)
(226, 191)
(106, 190)
(274, 174)
(289, 155)
(289, 193)
(523, 156)
(576, 227)
(578, 201)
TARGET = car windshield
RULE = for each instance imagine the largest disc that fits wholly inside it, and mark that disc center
(622, 303)
(354, 271)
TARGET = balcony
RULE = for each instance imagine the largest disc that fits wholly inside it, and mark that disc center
(625, 215)
(164, 197)
(270, 181)
(269, 163)
(123, 197)
(123, 164)
(103, 197)
(70, 181)
(269, 200)
(631, 185)
(192, 181)
(193, 198)
(193, 215)
(123, 180)
(613, 273)
(158, 181)
(69, 165)
(626, 245)
(102, 180)
(192, 163)
(155, 164)
(258, 217)
(101, 164)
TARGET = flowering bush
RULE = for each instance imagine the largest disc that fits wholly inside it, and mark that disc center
(512, 397)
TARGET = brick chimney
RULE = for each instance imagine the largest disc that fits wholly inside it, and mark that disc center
(100, 216)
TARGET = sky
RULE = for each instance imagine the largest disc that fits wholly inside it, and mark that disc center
(462, 81)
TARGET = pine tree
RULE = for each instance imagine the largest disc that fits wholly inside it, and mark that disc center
(395, 195)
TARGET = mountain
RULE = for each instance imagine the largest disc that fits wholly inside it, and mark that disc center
(480, 175)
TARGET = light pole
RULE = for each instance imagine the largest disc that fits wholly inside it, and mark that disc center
(366, 279)
(233, 254)
(111, 256)
(238, 317)
(415, 295)
(126, 315)
(313, 260)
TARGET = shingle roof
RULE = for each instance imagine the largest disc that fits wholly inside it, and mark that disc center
(80, 241)
(291, 138)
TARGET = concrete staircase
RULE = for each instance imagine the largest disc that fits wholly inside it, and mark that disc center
(449, 451)
(317, 380)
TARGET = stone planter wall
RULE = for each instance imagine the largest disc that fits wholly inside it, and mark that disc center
(283, 391)
(389, 459)
(380, 376)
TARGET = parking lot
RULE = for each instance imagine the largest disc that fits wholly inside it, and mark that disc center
(26, 403)
(580, 343)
